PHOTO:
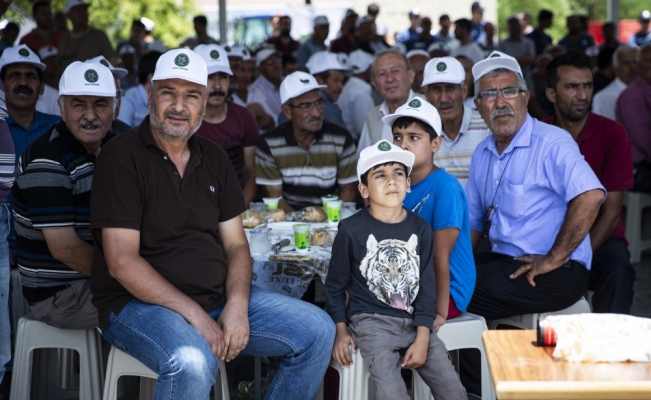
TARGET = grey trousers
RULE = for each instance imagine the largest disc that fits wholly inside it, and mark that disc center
(382, 341)
(69, 308)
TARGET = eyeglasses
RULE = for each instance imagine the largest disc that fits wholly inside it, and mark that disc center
(272, 61)
(507, 93)
(307, 106)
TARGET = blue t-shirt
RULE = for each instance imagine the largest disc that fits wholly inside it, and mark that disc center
(441, 201)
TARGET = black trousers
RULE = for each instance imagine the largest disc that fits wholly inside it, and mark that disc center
(612, 277)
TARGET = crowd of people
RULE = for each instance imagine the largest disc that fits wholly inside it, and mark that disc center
(492, 171)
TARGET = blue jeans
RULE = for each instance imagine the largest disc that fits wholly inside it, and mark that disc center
(279, 326)
(5, 322)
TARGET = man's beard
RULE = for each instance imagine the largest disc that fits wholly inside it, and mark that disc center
(285, 32)
(565, 108)
(171, 134)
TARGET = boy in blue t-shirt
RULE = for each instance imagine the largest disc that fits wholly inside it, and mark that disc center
(439, 198)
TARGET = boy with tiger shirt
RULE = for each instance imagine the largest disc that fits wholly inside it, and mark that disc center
(382, 256)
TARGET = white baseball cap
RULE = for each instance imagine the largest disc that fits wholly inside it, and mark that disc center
(324, 61)
(321, 20)
(181, 64)
(263, 54)
(238, 51)
(360, 61)
(419, 109)
(126, 49)
(495, 60)
(443, 70)
(215, 57)
(87, 79)
(417, 52)
(117, 72)
(380, 153)
(47, 51)
(296, 84)
(20, 55)
(70, 4)
(149, 24)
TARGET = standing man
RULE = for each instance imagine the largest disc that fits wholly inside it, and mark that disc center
(369, 40)
(463, 128)
(284, 42)
(444, 34)
(633, 112)
(356, 98)
(194, 288)
(391, 76)
(305, 158)
(624, 63)
(536, 221)
(264, 93)
(518, 46)
(44, 34)
(315, 43)
(605, 146)
(52, 200)
(538, 35)
(201, 29)
(425, 38)
(231, 126)
(47, 102)
(477, 22)
(83, 42)
(413, 32)
(348, 41)
(643, 36)
(467, 47)
(576, 39)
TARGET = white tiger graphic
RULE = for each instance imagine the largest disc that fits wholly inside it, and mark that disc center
(392, 271)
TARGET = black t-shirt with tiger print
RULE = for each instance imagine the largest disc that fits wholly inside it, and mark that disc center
(386, 268)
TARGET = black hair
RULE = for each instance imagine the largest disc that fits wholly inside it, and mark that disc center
(323, 75)
(38, 5)
(606, 26)
(364, 178)
(11, 26)
(443, 17)
(573, 58)
(3, 73)
(137, 22)
(288, 59)
(405, 122)
(147, 65)
(200, 19)
(605, 57)
(545, 15)
(372, 9)
(282, 17)
(463, 23)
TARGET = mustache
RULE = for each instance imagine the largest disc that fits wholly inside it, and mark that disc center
(95, 123)
(446, 104)
(313, 119)
(217, 93)
(22, 89)
(506, 110)
(176, 114)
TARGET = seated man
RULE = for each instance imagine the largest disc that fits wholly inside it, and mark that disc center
(533, 195)
(305, 158)
(52, 199)
(172, 269)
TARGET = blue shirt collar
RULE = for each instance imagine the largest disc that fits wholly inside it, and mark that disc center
(521, 139)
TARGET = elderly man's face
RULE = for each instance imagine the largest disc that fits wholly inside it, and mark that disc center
(177, 107)
(418, 64)
(305, 111)
(627, 66)
(504, 117)
(391, 77)
(217, 88)
(334, 83)
(22, 86)
(447, 98)
(88, 117)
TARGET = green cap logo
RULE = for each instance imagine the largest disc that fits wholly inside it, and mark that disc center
(245, 52)
(104, 63)
(91, 76)
(415, 103)
(384, 146)
(23, 52)
(227, 48)
(214, 54)
(305, 81)
(440, 67)
(182, 60)
(494, 55)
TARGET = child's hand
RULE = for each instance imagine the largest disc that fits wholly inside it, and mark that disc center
(417, 353)
(438, 322)
(340, 351)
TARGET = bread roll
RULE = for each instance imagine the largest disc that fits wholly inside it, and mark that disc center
(314, 214)
(276, 215)
(251, 219)
(320, 237)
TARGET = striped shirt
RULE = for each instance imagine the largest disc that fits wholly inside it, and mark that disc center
(306, 174)
(52, 190)
(454, 155)
(7, 156)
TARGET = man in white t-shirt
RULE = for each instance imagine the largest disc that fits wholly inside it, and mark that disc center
(466, 46)
(605, 101)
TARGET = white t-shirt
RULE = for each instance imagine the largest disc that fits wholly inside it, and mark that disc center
(470, 50)
(47, 102)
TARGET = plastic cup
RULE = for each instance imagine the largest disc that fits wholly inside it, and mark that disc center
(257, 207)
(271, 203)
(333, 209)
(302, 237)
(330, 197)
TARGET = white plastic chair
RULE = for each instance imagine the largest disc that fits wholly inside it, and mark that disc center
(529, 321)
(464, 332)
(120, 364)
(635, 203)
(19, 305)
(32, 335)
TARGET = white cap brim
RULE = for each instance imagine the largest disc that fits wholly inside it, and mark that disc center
(303, 91)
(441, 80)
(407, 158)
(119, 72)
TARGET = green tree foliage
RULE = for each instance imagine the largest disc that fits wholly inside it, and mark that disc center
(173, 18)
(597, 10)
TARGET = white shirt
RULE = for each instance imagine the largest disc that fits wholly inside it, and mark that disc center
(265, 93)
(355, 102)
(470, 103)
(470, 50)
(134, 107)
(454, 155)
(238, 100)
(47, 102)
(605, 100)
